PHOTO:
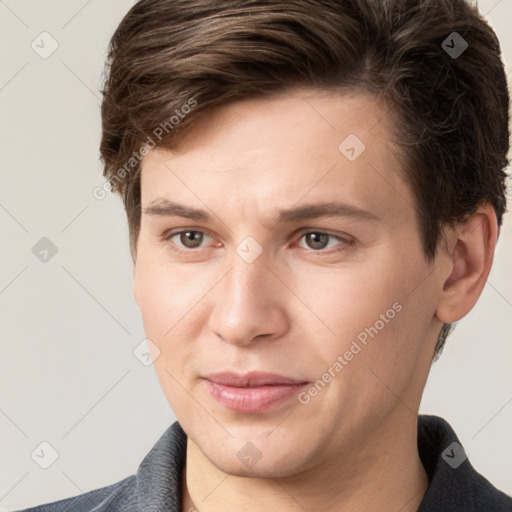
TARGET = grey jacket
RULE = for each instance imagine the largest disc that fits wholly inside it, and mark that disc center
(454, 485)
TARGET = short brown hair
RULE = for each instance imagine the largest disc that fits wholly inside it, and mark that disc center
(451, 112)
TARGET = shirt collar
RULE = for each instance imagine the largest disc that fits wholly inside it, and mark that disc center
(159, 474)
(453, 483)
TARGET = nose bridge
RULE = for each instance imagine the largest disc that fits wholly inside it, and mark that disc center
(247, 282)
(249, 263)
(246, 304)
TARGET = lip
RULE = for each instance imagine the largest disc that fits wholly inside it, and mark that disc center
(251, 379)
(253, 391)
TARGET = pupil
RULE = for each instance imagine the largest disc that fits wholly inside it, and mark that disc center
(191, 236)
(315, 239)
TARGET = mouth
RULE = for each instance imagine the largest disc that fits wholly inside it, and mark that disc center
(252, 392)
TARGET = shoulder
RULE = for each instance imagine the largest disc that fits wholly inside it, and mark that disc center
(155, 486)
(454, 484)
(487, 498)
(120, 496)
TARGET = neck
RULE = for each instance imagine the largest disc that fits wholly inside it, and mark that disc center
(383, 474)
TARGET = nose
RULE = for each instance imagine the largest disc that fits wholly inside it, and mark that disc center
(249, 302)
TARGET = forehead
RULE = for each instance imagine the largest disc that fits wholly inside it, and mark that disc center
(302, 112)
(306, 144)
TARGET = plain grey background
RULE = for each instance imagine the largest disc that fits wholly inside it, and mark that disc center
(69, 326)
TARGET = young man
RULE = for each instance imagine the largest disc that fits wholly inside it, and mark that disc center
(314, 191)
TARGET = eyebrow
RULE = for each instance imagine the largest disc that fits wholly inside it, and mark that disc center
(166, 208)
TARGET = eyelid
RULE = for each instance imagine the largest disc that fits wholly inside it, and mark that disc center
(166, 237)
(347, 240)
(340, 236)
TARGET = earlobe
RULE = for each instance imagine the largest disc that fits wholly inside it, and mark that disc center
(471, 254)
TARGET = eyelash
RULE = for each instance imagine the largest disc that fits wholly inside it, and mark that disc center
(347, 242)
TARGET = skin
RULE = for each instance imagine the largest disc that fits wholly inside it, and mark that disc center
(298, 306)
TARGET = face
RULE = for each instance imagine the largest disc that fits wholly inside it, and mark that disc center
(344, 302)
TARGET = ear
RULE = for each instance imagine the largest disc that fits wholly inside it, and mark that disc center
(470, 249)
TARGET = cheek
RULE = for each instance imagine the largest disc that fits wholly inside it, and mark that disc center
(349, 300)
(169, 323)
(160, 292)
(378, 313)
(168, 304)
(394, 306)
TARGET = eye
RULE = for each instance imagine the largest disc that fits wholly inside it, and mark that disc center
(319, 240)
(189, 238)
